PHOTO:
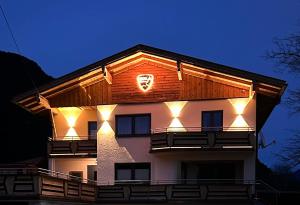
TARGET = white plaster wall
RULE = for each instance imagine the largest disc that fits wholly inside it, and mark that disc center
(113, 150)
(65, 165)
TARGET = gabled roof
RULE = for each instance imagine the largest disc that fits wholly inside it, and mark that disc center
(258, 78)
(83, 83)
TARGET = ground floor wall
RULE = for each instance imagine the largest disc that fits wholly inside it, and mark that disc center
(164, 166)
(67, 165)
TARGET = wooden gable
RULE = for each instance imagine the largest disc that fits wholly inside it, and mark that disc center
(166, 87)
(176, 77)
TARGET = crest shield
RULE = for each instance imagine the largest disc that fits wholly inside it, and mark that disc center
(145, 81)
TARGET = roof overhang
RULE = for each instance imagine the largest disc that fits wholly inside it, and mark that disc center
(103, 69)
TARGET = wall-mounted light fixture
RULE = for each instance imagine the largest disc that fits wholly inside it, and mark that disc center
(71, 115)
(239, 105)
(176, 108)
(105, 112)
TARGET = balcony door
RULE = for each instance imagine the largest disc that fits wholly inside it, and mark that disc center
(92, 130)
(212, 120)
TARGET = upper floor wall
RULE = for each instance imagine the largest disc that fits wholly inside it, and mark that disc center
(238, 114)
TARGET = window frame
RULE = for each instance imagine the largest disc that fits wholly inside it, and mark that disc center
(132, 166)
(91, 137)
(132, 116)
(203, 128)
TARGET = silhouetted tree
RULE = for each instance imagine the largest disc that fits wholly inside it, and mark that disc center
(287, 55)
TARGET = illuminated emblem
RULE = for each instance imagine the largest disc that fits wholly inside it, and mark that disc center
(145, 81)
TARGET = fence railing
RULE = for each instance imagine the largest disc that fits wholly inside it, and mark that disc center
(40, 171)
(196, 138)
(72, 147)
(72, 138)
(36, 183)
(201, 129)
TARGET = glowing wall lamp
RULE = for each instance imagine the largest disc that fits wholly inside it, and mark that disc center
(175, 108)
(105, 112)
(239, 122)
(71, 115)
(239, 106)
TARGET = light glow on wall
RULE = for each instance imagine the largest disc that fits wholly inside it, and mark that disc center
(71, 134)
(176, 126)
(71, 115)
(106, 129)
(239, 105)
(176, 107)
(239, 122)
(105, 111)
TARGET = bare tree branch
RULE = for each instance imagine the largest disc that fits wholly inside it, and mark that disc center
(287, 55)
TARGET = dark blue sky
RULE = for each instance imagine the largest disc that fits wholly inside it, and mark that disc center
(62, 36)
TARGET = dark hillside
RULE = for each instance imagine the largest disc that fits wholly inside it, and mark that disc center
(23, 135)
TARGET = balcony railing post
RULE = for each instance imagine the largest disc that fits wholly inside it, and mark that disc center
(211, 139)
(170, 139)
(73, 146)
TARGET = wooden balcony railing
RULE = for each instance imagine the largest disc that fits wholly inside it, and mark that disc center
(202, 139)
(39, 184)
(176, 190)
(20, 184)
(30, 184)
(71, 146)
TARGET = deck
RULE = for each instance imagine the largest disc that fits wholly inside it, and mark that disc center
(241, 139)
(40, 184)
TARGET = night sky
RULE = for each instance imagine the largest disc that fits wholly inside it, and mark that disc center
(62, 36)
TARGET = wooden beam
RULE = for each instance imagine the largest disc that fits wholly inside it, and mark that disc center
(43, 101)
(179, 70)
(107, 75)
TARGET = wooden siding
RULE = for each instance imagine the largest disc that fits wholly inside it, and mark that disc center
(166, 87)
(95, 94)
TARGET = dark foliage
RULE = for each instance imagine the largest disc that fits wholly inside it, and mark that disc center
(23, 135)
(283, 180)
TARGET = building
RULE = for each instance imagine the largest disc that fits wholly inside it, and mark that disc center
(154, 116)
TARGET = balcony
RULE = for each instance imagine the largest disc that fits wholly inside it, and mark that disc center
(71, 146)
(23, 184)
(197, 138)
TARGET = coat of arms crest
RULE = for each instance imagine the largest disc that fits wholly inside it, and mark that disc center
(145, 81)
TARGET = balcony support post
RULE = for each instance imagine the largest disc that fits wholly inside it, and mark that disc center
(170, 139)
(211, 139)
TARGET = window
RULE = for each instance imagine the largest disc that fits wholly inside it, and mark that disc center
(212, 120)
(92, 129)
(76, 175)
(130, 125)
(132, 171)
(212, 170)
